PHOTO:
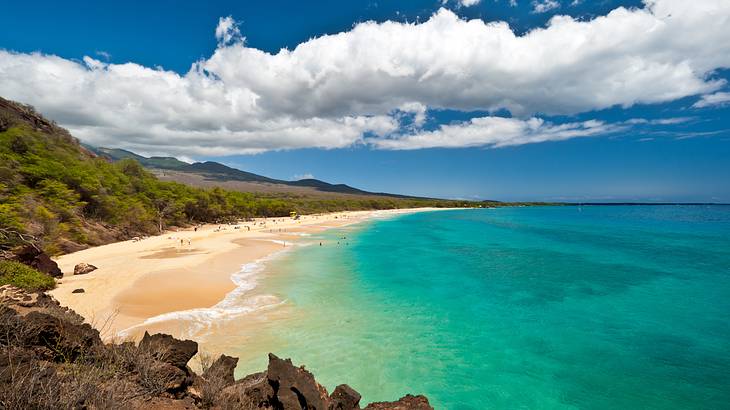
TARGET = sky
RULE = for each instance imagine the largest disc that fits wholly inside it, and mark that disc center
(557, 100)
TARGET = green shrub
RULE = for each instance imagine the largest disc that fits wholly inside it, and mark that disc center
(56, 191)
(24, 277)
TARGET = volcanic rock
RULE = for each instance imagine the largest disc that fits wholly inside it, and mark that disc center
(10, 295)
(168, 349)
(67, 340)
(83, 268)
(294, 387)
(222, 369)
(344, 398)
(34, 257)
(407, 402)
(253, 391)
(55, 360)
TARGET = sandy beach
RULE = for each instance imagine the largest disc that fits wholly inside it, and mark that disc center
(181, 270)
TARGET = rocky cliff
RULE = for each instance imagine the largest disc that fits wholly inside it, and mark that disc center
(51, 359)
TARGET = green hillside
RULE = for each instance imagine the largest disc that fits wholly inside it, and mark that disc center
(116, 154)
(67, 197)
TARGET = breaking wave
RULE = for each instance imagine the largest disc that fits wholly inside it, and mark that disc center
(235, 304)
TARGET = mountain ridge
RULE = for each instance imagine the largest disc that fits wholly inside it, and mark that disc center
(220, 172)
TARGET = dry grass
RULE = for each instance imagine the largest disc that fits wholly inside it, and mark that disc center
(212, 384)
(29, 386)
(144, 366)
(98, 377)
(43, 376)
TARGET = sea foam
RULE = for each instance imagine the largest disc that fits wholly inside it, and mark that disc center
(235, 304)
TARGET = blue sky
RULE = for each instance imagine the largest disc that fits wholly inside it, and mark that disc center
(611, 105)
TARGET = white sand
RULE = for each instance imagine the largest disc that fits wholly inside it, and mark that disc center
(137, 280)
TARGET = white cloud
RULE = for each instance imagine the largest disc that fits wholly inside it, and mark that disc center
(716, 99)
(352, 87)
(227, 31)
(495, 132)
(462, 3)
(185, 158)
(306, 175)
(418, 112)
(103, 54)
(543, 6)
(659, 121)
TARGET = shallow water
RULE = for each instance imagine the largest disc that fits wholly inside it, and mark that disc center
(599, 307)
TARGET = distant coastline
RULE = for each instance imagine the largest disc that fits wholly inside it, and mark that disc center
(646, 203)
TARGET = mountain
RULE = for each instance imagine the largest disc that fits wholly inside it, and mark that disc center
(215, 172)
(222, 172)
(116, 154)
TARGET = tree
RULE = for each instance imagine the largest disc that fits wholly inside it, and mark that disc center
(164, 206)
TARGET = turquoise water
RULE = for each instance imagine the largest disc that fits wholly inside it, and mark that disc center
(620, 307)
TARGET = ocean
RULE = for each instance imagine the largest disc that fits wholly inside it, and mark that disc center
(593, 307)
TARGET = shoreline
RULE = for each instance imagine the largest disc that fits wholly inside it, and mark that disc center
(172, 277)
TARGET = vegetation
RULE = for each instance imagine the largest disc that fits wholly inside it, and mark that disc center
(154, 162)
(54, 189)
(24, 277)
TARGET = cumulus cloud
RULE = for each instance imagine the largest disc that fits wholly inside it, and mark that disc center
(365, 85)
(716, 99)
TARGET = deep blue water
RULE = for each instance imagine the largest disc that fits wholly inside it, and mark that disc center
(599, 307)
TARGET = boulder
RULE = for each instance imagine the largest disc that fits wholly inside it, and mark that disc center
(222, 369)
(344, 398)
(294, 387)
(84, 268)
(34, 257)
(168, 349)
(407, 402)
(172, 378)
(253, 391)
(79, 290)
(66, 339)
